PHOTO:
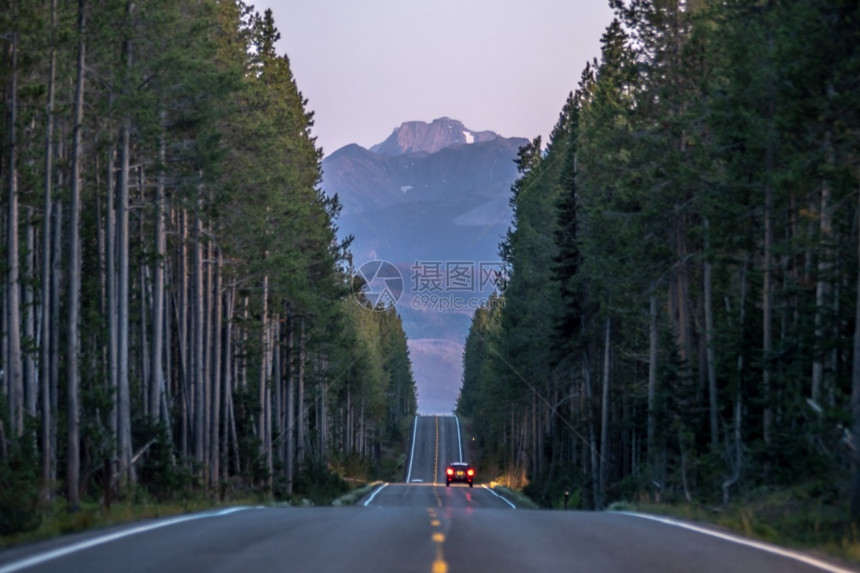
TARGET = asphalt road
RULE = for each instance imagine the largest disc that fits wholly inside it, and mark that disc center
(419, 525)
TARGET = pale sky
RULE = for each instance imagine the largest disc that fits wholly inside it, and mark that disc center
(366, 66)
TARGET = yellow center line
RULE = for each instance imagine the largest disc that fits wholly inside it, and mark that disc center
(436, 466)
(436, 457)
(439, 565)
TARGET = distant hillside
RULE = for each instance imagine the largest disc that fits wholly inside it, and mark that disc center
(430, 193)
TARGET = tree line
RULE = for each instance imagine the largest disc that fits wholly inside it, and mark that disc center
(681, 300)
(177, 309)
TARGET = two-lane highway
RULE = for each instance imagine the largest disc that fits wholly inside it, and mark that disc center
(418, 525)
(436, 442)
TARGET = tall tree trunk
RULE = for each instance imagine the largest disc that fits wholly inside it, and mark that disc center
(652, 377)
(214, 439)
(592, 436)
(229, 380)
(290, 406)
(47, 310)
(300, 400)
(56, 334)
(265, 402)
(73, 460)
(278, 384)
(737, 422)
(262, 389)
(182, 305)
(822, 283)
(13, 367)
(711, 343)
(197, 336)
(206, 356)
(855, 396)
(123, 395)
(604, 411)
(157, 369)
(768, 279)
(31, 392)
(112, 297)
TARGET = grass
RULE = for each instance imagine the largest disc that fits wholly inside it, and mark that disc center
(353, 496)
(790, 518)
(56, 520)
(521, 500)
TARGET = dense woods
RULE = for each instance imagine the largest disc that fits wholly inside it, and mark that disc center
(687, 328)
(177, 310)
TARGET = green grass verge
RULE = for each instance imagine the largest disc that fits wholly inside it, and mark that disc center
(788, 518)
(57, 520)
(521, 500)
(352, 497)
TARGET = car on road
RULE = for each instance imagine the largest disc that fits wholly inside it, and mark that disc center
(459, 472)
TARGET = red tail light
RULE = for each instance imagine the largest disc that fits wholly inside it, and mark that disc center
(450, 471)
(470, 472)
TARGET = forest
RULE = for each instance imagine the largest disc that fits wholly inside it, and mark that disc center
(179, 316)
(680, 318)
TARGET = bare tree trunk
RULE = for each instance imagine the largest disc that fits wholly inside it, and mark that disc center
(323, 415)
(262, 390)
(197, 336)
(300, 430)
(112, 298)
(229, 382)
(604, 411)
(278, 384)
(157, 369)
(123, 396)
(592, 437)
(737, 424)
(182, 320)
(207, 302)
(265, 402)
(73, 342)
(56, 335)
(214, 439)
(31, 392)
(767, 287)
(290, 407)
(47, 309)
(855, 399)
(822, 285)
(711, 344)
(144, 350)
(652, 376)
(12, 363)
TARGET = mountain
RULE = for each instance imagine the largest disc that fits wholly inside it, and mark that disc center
(418, 136)
(432, 199)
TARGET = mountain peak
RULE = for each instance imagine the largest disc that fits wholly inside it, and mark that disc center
(423, 137)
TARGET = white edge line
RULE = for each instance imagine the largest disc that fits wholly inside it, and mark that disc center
(411, 452)
(366, 503)
(504, 499)
(63, 551)
(459, 438)
(742, 541)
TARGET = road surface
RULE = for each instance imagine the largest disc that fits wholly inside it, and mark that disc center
(418, 525)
